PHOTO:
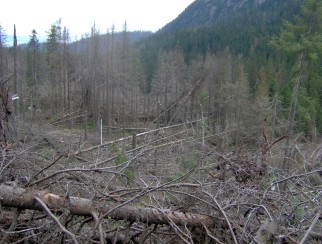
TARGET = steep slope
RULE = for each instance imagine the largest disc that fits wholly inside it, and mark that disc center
(245, 26)
(207, 13)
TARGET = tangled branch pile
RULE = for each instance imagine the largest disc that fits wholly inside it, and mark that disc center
(167, 185)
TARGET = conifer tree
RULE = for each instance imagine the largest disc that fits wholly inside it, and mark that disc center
(32, 69)
(302, 41)
(53, 62)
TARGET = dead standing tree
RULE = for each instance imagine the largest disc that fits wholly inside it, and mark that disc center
(4, 113)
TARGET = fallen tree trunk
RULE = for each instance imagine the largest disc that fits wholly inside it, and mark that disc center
(21, 198)
(130, 137)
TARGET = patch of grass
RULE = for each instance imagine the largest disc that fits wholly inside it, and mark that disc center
(130, 174)
(90, 125)
(232, 147)
(112, 147)
(186, 163)
(47, 153)
(298, 212)
(121, 157)
(80, 126)
(204, 95)
(137, 204)
(178, 175)
(118, 223)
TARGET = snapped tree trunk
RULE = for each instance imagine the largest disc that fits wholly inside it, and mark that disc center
(21, 198)
(4, 114)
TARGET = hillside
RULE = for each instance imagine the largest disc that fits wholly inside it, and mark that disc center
(208, 13)
(245, 27)
(212, 25)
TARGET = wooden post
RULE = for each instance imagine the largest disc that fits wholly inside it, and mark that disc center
(134, 141)
(101, 131)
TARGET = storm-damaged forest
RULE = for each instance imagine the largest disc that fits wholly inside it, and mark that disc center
(188, 135)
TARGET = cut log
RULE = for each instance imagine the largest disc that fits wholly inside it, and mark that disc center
(21, 198)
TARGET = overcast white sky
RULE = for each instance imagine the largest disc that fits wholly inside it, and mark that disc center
(79, 15)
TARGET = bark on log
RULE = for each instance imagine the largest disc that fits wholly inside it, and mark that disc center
(21, 198)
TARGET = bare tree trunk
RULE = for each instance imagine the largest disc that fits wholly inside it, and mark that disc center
(107, 89)
(16, 104)
(86, 100)
(21, 198)
(4, 114)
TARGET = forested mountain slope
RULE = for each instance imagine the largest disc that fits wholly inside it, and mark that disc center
(208, 13)
(211, 25)
(247, 28)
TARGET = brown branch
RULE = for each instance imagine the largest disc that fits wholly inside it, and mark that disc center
(293, 176)
(50, 214)
(146, 234)
(276, 141)
(42, 170)
(176, 229)
(100, 228)
(225, 216)
(211, 236)
(311, 227)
